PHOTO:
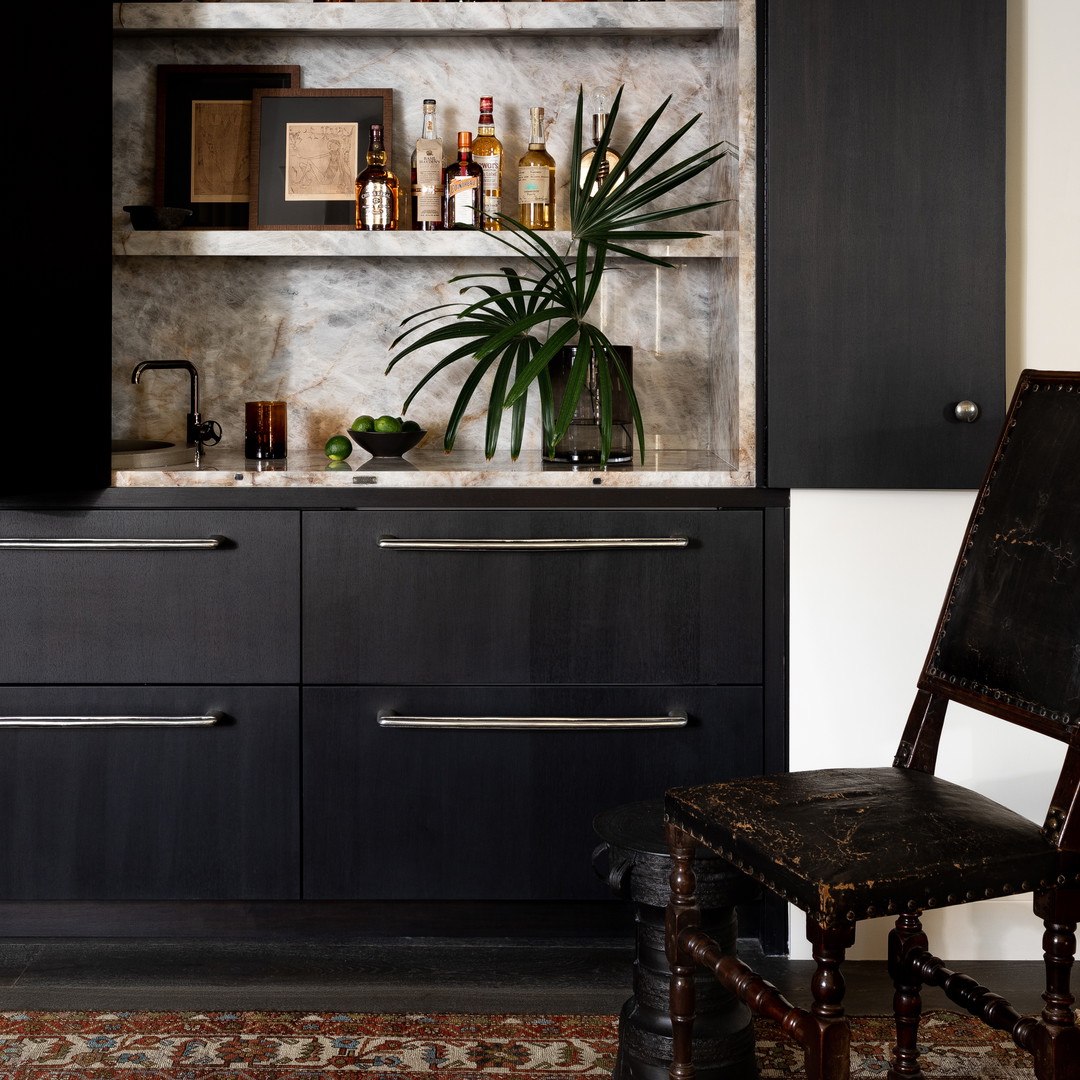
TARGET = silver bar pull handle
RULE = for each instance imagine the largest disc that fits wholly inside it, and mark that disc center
(109, 721)
(119, 544)
(532, 723)
(569, 544)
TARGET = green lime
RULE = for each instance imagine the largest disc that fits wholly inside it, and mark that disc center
(364, 423)
(388, 423)
(409, 425)
(334, 465)
(338, 447)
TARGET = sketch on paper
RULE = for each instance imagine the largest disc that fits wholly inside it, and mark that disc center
(220, 151)
(320, 161)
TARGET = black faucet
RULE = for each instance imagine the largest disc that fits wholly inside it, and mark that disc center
(198, 432)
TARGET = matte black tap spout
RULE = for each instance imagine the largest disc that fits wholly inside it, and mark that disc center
(194, 421)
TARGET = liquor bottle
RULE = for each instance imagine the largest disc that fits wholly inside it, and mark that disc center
(376, 188)
(487, 152)
(463, 183)
(536, 178)
(427, 174)
(611, 157)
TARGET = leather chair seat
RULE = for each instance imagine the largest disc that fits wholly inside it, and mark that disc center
(849, 844)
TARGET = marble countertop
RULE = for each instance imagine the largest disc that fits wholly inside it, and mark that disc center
(434, 469)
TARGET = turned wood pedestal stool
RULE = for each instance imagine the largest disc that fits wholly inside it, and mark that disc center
(638, 870)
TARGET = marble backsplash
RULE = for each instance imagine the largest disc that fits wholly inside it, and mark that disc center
(316, 331)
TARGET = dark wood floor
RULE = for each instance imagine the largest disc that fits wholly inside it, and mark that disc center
(548, 967)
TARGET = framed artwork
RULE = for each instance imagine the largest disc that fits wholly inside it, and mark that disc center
(306, 148)
(203, 151)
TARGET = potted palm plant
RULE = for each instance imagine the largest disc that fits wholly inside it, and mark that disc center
(524, 317)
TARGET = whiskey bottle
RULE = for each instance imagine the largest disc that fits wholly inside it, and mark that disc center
(376, 188)
(536, 178)
(487, 152)
(427, 174)
(463, 182)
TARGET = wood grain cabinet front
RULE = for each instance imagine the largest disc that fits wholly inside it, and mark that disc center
(149, 793)
(474, 810)
(533, 596)
(154, 596)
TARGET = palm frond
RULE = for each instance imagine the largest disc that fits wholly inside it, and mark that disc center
(514, 322)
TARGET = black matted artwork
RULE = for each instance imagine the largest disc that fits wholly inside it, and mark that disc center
(203, 148)
(322, 136)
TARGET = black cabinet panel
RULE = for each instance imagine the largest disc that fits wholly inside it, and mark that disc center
(146, 813)
(666, 616)
(230, 614)
(885, 240)
(507, 815)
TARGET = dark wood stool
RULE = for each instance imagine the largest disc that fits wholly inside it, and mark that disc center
(638, 870)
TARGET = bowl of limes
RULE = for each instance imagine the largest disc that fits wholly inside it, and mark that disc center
(385, 436)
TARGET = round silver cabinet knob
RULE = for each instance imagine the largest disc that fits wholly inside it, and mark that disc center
(966, 412)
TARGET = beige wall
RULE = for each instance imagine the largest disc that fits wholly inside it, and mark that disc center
(879, 614)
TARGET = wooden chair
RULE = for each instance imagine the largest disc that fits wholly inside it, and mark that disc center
(850, 844)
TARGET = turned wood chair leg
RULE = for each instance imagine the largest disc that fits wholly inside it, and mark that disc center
(827, 1045)
(1057, 1049)
(682, 914)
(906, 935)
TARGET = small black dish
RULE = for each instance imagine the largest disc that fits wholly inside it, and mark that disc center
(386, 444)
(157, 217)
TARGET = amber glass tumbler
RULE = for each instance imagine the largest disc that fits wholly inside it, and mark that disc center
(266, 430)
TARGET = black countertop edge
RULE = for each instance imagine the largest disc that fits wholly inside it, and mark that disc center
(451, 498)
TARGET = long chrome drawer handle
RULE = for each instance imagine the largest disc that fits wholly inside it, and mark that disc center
(532, 723)
(582, 544)
(109, 721)
(89, 544)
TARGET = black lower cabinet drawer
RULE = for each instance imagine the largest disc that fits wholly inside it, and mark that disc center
(150, 596)
(175, 808)
(516, 597)
(400, 813)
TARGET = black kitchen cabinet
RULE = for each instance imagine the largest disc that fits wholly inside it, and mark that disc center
(465, 813)
(153, 596)
(102, 812)
(446, 614)
(884, 240)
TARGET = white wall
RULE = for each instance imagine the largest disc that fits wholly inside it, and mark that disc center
(879, 614)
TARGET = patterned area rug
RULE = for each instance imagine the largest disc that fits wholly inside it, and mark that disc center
(322, 1046)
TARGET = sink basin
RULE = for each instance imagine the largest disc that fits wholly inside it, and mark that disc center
(149, 454)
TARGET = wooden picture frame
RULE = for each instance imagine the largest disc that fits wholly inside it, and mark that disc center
(203, 141)
(306, 149)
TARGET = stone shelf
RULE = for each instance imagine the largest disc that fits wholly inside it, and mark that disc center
(349, 242)
(401, 19)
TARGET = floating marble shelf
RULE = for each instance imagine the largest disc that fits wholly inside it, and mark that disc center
(456, 244)
(673, 18)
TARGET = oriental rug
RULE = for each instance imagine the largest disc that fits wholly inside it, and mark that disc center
(336, 1046)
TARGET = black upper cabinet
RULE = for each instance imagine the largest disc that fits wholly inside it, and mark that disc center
(884, 247)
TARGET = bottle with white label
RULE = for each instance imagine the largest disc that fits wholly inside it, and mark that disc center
(487, 152)
(427, 174)
(536, 178)
(463, 187)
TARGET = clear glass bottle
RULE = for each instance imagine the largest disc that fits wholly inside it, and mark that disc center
(487, 152)
(463, 182)
(536, 178)
(611, 157)
(426, 178)
(376, 188)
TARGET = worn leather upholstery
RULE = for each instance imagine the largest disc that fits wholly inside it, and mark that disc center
(851, 844)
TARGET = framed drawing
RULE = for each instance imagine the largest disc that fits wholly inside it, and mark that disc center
(306, 149)
(204, 137)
